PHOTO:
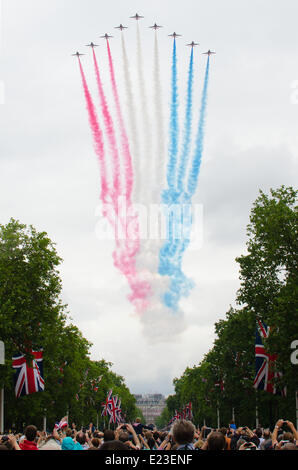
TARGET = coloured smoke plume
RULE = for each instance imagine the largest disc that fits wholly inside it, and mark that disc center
(132, 120)
(171, 254)
(145, 189)
(125, 258)
(97, 137)
(127, 246)
(110, 131)
(159, 324)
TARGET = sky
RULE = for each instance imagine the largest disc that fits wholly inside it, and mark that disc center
(50, 176)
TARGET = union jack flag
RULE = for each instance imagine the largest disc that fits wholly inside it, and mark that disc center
(114, 410)
(62, 424)
(220, 384)
(107, 404)
(188, 411)
(28, 378)
(120, 418)
(265, 363)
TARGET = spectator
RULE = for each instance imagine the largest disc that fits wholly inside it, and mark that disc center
(228, 440)
(285, 437)
(69, 444)
(215, 441)
(29, 443)
(108, 435)
(183, 434)
(82, 439)
(113, 445)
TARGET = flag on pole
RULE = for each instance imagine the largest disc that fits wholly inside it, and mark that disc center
(28, 378)
(107, 404)
(265, 363)
(188, 409)
(62, 424)
(114, 410)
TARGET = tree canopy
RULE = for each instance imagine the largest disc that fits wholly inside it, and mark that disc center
(32, 316)
(223, 380)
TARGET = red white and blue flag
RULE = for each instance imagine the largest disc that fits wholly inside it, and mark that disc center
(114, 410)
(28, 378)
(62, 424)
(107, 404)
(266, 374)
(119, 417)
(188, 411)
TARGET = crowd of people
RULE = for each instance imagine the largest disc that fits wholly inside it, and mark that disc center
(182, 435)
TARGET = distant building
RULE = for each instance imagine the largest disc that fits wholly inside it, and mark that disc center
(151, 405)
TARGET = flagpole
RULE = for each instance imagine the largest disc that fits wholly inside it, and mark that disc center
(2, 411)
(257, 411)
(2, 362)
(218, 422)
(296, 409)
(45, 420)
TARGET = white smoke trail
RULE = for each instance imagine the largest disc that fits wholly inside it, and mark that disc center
(146, 157)
(132, 121)
(158, 322)
(159, 158)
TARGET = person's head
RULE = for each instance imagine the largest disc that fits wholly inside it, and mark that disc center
(266, 434)
(148, 434)
(30, 433)
(223, 431)
(123, 436)
(216, 441)
(259, 432)
(288, 436)
(289, 446)
(113, 445)
(156, 435)
(108, 435)
(138, 420)
(95, 442)
(183, 432)
(81, 438)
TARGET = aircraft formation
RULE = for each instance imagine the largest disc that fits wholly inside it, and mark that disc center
(137, 17)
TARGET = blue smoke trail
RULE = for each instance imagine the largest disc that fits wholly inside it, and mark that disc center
(173, 145)
(187, 128)
(196, 163)
(171, 255)
(169, 196)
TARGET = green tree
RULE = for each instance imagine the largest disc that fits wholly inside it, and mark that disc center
(268, 273)
(33, 316)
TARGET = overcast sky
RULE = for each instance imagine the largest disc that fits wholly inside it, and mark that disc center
(50, 177)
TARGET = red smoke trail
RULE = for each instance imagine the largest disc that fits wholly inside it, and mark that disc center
(110, 131)
(125, 257)
(124, 138)
(97, 135)
(106, 192)
(126, 249)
